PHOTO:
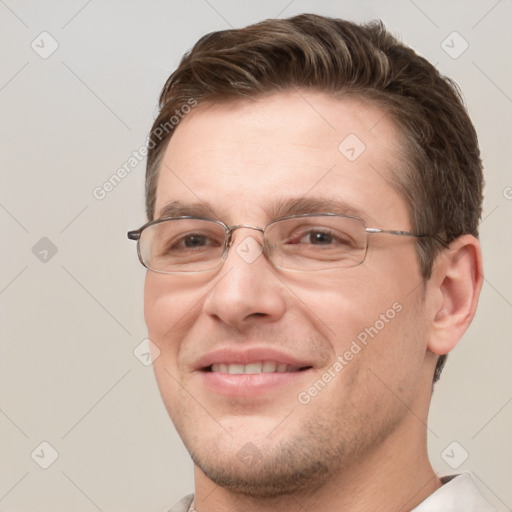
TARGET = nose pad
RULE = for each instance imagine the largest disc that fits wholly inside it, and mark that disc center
(247, 248)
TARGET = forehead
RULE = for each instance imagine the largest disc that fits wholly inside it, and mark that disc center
(243, 158)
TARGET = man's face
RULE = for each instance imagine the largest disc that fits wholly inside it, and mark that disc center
(268, 433)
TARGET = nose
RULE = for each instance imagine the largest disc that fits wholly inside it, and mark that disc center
(247, 290)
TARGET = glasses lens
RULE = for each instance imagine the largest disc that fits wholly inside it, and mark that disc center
(316, 242)
(182, 245)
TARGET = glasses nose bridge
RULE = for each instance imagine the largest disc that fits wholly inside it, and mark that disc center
(231, 229)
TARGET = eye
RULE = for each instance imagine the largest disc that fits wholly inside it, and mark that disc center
(321, 236)
(318, 238)
(196, 240)
(193, 241)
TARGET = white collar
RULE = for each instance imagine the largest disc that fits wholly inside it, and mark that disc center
(459, 494)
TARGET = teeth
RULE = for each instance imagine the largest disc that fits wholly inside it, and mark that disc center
(269, 367)
(253, 368)
(235, 369)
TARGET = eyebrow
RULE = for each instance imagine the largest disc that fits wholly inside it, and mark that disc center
(181, 209)
(278, 209)
(297, 206)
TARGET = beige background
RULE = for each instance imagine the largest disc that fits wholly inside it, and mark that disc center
(70, 324)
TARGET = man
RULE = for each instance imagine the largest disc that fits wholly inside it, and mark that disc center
(313, 192)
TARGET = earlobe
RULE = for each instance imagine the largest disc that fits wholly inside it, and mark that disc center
(457, 279)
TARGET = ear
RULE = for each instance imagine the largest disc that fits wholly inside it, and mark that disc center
(456, 282)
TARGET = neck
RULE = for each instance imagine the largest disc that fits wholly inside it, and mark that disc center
(395, 476)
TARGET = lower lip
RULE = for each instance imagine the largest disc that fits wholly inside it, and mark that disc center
(248, 384)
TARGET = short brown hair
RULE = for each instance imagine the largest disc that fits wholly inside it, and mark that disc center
(442, 180)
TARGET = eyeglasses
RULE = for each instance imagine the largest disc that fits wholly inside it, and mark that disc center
(304, 243)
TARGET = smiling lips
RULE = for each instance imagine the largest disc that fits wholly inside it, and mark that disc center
(253, 368)
(250, 360)
(249, 372)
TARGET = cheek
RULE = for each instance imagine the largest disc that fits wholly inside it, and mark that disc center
(168, 302)
(344, 305)
(368, 317)
(157, 306)
(393, 347)
(169, 311)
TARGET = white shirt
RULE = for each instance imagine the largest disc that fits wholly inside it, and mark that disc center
(458, 494)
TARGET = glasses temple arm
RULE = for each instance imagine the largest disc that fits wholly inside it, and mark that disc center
(134, 235)
(408, 233)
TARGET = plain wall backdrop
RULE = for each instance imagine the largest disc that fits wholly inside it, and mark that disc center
(79, 82)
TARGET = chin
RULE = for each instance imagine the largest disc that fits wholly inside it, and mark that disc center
(251, 473)
(299, 459)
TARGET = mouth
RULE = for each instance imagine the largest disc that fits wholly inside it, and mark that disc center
(250, 372)
(254, 368)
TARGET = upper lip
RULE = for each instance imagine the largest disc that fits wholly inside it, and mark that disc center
(231, 355)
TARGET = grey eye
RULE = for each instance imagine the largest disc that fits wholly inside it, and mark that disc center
(320, 238)
(196, 241)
